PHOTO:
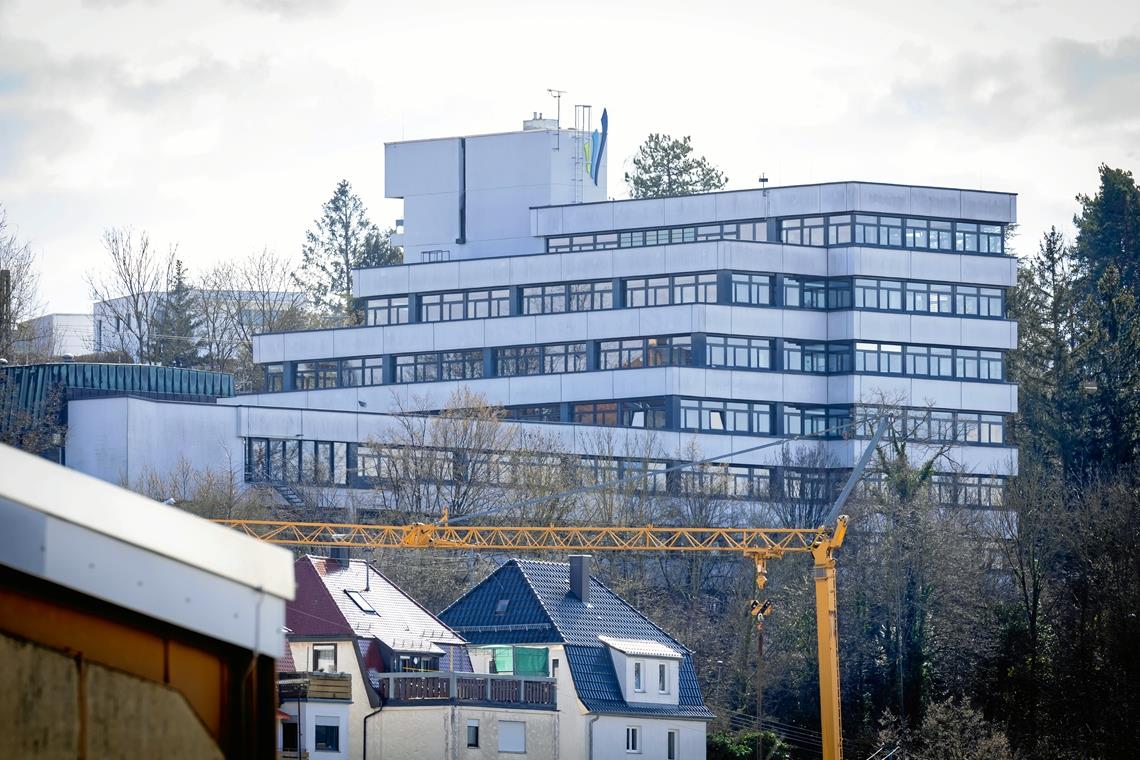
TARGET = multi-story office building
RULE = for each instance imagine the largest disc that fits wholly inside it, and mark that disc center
(710, 323)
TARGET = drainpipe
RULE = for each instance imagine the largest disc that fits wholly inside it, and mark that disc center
(590, 749)
(366, 717)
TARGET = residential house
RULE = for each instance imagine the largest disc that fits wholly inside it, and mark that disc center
(407, 676)
(625, 686)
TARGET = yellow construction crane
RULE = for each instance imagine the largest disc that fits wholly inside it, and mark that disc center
(757, 544)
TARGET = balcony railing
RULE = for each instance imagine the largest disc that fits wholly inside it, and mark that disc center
(521, 691)
(293, 686)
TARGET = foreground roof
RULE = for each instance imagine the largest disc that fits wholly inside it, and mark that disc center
(540, 609)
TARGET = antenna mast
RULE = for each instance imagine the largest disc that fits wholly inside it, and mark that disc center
(557, 95)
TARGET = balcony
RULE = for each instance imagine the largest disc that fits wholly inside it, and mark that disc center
(305, 686)
(468, 688)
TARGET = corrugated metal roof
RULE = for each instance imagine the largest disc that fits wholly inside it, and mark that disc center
(541, 609)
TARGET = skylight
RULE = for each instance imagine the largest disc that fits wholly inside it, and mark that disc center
(361, 602)
(501, 606)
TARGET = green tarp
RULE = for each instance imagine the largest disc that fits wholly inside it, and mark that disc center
(522, 661)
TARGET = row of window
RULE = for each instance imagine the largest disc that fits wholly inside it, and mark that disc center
(672, 742)
(752, 230)
(758, 418)
(323, 463)
(720, 351)
(743, 288)
(893, 232)
(916, 233)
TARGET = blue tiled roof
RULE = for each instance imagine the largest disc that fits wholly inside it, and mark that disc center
(541, 610)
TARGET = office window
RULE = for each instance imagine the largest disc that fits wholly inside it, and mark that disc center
(366, 370)
(990, 239)
(621, 354)
(941, 236)
(520, 360)
(839, 230)
(324, 658)
(917, 233)
(753, 289)
(669, 351)
(929, 361)
(441, 307)
(882, 358)
(742, 353)
(647, 291)
(386, 311)
(417, 368)
(472, 733)
(972, 364)
(711, 415)
(274, 377)
(662, 678)
(633, 739)
(925, 297)
(564, 357)
(544, 299)
(805, 357)
(648, 414)
(672, 742)
(816, 420)
(603, 413)
(512, 736)
(694, 288)
(878, 294)
(488, 303)
(808, 231)
(977, 301)
(591, 296)
(314, 375)
(461, 365)
(839, 295)
(966, 237)
(806, 294)
(326, 735)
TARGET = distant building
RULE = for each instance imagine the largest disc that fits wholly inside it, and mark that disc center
(53, 336)
(406, 675)
(624, 685)
(712, 323)
(129, 628)
(116, 327)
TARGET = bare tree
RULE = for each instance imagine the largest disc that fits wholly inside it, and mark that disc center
(22, 303)
(130, 294)
(252, 296)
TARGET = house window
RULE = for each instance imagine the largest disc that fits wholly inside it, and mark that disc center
(638, 684)
(324, 658)
(663, 678)
(672, 739)
(289, 736)
(633, 739)
(472, 733)
(326, 734)
(512, 736)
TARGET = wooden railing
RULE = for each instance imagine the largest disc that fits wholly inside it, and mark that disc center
(292, 686)
(524, 691)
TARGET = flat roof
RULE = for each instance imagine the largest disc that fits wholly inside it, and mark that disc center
(483, 134)
(783, 187)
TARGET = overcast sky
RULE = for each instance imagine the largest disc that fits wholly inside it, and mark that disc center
(222, 125)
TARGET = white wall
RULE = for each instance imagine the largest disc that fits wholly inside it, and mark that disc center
(310, 713)
(609, 738)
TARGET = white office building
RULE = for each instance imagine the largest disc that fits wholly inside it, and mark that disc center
(711, 322)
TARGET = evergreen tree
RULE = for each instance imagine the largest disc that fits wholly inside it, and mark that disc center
(1047, 360)
(1108, 230)
(665, 166)
(1113, 351)
(177, 322)
(342, 239)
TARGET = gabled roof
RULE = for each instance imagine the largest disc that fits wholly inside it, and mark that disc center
(540, 609)
(640, 647)
(324, 607)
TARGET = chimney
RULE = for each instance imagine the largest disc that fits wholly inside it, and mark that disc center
(580, 576)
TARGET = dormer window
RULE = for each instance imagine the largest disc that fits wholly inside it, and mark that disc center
(638, 681)
(662, 678)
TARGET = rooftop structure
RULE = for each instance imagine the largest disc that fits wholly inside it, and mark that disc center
(133, 626)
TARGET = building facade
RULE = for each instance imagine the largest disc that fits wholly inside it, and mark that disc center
(53, 336)
(709, 323)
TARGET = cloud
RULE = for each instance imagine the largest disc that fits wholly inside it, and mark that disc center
(1061, 84)
(294, 8)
